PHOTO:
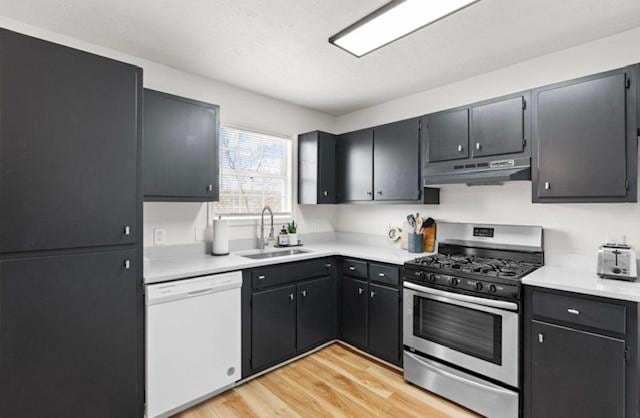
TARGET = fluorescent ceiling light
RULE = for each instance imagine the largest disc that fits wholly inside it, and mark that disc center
(394, 20)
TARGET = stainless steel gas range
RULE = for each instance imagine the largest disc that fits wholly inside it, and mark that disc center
(461, 314)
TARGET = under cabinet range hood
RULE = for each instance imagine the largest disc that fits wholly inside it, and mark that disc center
(473, 173)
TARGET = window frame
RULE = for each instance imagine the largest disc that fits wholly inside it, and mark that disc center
(252, 219)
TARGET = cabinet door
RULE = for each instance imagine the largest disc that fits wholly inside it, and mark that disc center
(326, 168)
(68, 147)
(354, 312)
(317, 312)
(384, 323)
(498, 127)
(180, 148)
(447, 135)
(71, 337)
(585, 138)
(273, 326)
(575, 373)
(355, 166)
(396, 161)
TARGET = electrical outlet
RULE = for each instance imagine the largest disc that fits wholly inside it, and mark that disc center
(159, 236)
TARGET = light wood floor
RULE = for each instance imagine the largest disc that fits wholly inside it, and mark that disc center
(333, 382)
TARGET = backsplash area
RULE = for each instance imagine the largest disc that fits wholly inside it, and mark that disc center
(568, 228)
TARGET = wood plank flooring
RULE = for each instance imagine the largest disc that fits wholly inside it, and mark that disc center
(333, 382)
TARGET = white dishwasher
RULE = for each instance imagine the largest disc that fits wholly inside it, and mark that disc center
(192, 341)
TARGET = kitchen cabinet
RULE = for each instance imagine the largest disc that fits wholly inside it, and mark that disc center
(446, 135)
(317, 312)
(316, 168)
(181, 148)
(396, 161)
(384, 323)
(273, 326)
(68, 147)
(498, 126)
(354, 311)
(585, 134)
(355, 166)
(580, 355)
(70, 335)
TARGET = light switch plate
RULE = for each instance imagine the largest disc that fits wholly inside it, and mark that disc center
(159, 236)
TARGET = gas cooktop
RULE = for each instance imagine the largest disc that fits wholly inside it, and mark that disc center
(480, 267)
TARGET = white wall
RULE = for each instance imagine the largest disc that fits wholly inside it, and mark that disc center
(186, 222)
(568, 227)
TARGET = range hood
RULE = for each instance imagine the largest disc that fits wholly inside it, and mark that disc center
(480, 173)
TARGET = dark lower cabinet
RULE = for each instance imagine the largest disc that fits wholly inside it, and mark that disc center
(354, 311)
(69, 147)
(576, 373)
(317, 312)
(384, 323)
(273, 326)
(69, 339)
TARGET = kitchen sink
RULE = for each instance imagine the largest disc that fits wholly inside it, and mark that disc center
(273, 254)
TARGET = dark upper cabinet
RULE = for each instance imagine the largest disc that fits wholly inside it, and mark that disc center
(316, 168)
(576, 373)
(585, 139)
(181, 148)
(498, 126)
(69, 339)
(273, 326)
(354, 311)
(69, 143)
(396, 161)
(355, 166)
(384, 323)
(446, 135)
(317, 312)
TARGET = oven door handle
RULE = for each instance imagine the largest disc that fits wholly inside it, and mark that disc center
(500, 304)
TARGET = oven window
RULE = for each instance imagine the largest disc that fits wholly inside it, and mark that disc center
(469, 331)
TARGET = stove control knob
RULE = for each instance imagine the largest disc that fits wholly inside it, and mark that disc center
(454, 282)
(478, 286)
(432, 278)
(492, 288)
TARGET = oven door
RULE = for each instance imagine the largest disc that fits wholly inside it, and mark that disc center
(477, 334)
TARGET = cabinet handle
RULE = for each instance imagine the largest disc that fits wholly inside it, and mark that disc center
(360, 290)
(540, 338)
(379, 192)
(127, 264)
(260, 277)
(547, 185)
(328, 265)
(210, 188)
(460, 148)
(325, 193)
(303, 293)
(373, 294)
(127, 230)
(381, 274)
(369, 193)
(290, 296)
(478, 146)
(352, 268)
(573, 311)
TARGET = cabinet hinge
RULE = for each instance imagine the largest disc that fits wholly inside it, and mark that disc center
(524, 142)
(627, 82)
(524, 104)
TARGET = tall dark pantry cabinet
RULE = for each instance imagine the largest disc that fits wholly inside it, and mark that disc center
(71, 301)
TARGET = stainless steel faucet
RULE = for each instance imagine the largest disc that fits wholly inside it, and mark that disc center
(263, 243)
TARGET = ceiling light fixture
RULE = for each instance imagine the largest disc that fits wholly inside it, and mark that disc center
(394, 20)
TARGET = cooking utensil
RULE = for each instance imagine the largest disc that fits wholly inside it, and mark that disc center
(419, 223)
(412, 221)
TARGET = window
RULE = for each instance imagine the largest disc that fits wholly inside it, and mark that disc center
(255, 170)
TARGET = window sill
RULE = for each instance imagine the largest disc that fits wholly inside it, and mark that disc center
(255, 220)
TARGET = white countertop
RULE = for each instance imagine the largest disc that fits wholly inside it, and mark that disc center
(183, 265)
(577, 273)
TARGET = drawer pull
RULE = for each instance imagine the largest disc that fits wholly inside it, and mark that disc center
(573, 311)
(290, 296)
(352, 268)
(328, 266)
(373, 294)
(260, 277)
(381, 274)
(360, 290)
(540, 338)
(304, 293)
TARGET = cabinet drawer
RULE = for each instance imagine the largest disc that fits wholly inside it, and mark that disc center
(265, 277)
(355, 268)
(384, 274)
(579, 311)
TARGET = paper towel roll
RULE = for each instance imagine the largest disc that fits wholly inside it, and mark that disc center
(220, 237)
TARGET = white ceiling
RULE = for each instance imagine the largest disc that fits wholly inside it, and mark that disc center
(279, 47)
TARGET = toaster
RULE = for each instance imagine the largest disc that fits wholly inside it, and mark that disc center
(617, 261)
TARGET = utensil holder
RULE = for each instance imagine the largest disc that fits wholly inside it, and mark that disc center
(415, 242)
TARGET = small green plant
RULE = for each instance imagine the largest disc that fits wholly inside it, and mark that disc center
(292, 227)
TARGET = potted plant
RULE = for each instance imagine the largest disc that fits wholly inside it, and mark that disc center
(292, 228)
